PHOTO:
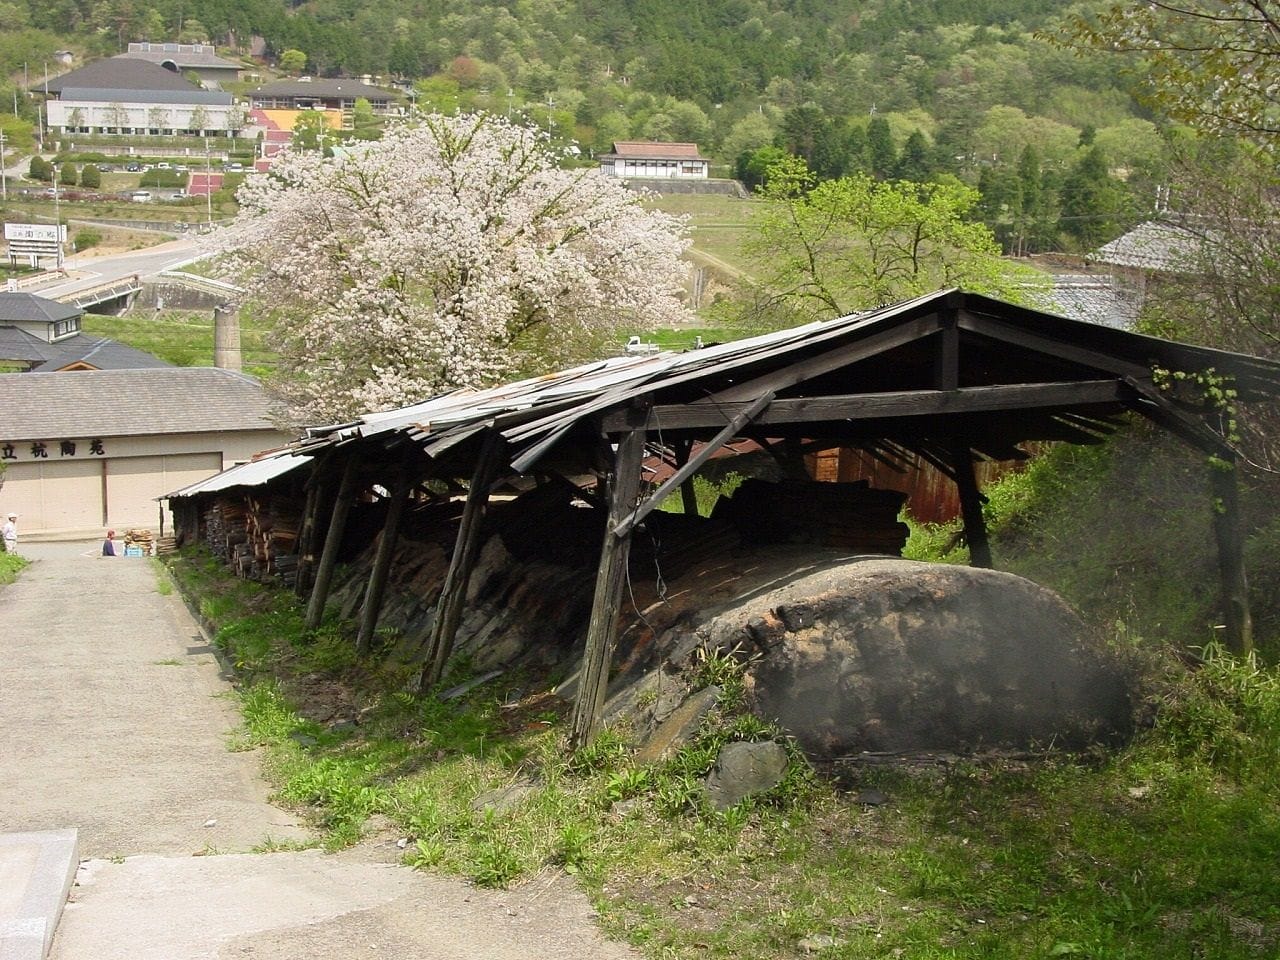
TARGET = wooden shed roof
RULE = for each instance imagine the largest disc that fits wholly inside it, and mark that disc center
(918, 377)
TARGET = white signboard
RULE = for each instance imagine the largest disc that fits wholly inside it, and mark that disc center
(45, 232)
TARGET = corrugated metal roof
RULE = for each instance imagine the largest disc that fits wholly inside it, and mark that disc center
(254, 473)
(211, 98)
(647, 150)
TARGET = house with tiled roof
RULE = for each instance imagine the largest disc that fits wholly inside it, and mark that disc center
(126, 96)
(1151, 249)
(91, 450)
(655, 161)
(41, 334)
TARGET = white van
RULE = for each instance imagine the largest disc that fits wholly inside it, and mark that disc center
(140, 196)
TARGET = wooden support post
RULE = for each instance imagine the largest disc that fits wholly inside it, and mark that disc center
(382, 562)
(454, 592)
(332, 543)
(307, 538)
(975, 528)
(593, 678)
(688, 492)
(1227, 531)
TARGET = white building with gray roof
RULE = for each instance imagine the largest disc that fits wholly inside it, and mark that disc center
(90, 450)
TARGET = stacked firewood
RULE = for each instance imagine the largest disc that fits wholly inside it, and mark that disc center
(225, 527)
(271, 528)
(139, 540)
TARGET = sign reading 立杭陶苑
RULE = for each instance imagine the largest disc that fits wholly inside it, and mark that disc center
(51, 449)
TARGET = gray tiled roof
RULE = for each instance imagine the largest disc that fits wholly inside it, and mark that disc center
(124, 95)
(1151, 246)
(18, 346)
(321, 88)
(99, 352)
(121, 403)
(28, 306)
(118, 74)
(1094, 299)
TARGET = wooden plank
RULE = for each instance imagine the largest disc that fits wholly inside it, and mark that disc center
(1229, 533)
(465, 550)
(332, 543)
(602, 633)
(307, 536)
(708, 450)
(382, 561)
(975, 526)
(887, 404)
(824, 363)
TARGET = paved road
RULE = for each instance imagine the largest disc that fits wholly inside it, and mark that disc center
(92, 271)
(114, 718)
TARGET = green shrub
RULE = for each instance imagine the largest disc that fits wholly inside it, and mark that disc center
(87, 238)
(163, 178)
(67, 174)
(90, 176)
(41, 169)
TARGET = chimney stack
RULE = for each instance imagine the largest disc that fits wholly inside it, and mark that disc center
(226, 337)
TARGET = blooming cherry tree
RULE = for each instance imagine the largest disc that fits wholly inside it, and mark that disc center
(451, 253)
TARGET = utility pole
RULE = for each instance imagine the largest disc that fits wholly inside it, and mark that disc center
(208, 183)
(4, 176)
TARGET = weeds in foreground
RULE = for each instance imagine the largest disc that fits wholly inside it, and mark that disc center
(1163, 849)
(11, 564)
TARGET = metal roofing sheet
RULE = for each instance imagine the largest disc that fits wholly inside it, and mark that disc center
(251, 474)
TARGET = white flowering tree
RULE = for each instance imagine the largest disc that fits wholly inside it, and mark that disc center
(453, 252)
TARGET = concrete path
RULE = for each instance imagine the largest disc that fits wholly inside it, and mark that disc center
(114, 720)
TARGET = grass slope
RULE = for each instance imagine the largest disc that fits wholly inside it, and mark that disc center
(183, 338)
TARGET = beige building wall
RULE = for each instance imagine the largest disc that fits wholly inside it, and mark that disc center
(66, 495)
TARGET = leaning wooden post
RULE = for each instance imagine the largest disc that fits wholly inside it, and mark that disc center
(975, 527)
(1227, 530)
(382, 561)
(465, 550)
(332, 543)
(593, 678)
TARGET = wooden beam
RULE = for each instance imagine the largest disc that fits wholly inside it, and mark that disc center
(1018, 336)
(884, 405)
(372, 607)
(624, 526)
(593, 676)
(465, 550)
(332, 542)
(842, 356)
(1228, 532)
(1162, 411)
(975, 527)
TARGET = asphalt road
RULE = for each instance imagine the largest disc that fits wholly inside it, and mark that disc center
(114, 719)
(92, 271)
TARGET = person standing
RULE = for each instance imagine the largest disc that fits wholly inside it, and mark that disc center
(109, 545)
(9, 533)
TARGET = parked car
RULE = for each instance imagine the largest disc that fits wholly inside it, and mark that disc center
(180, 167)
(140, 196)
(105, 167)
(162, 165)
(234, 167)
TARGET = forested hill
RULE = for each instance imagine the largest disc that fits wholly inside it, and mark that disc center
(904, 89)
(709, 51)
